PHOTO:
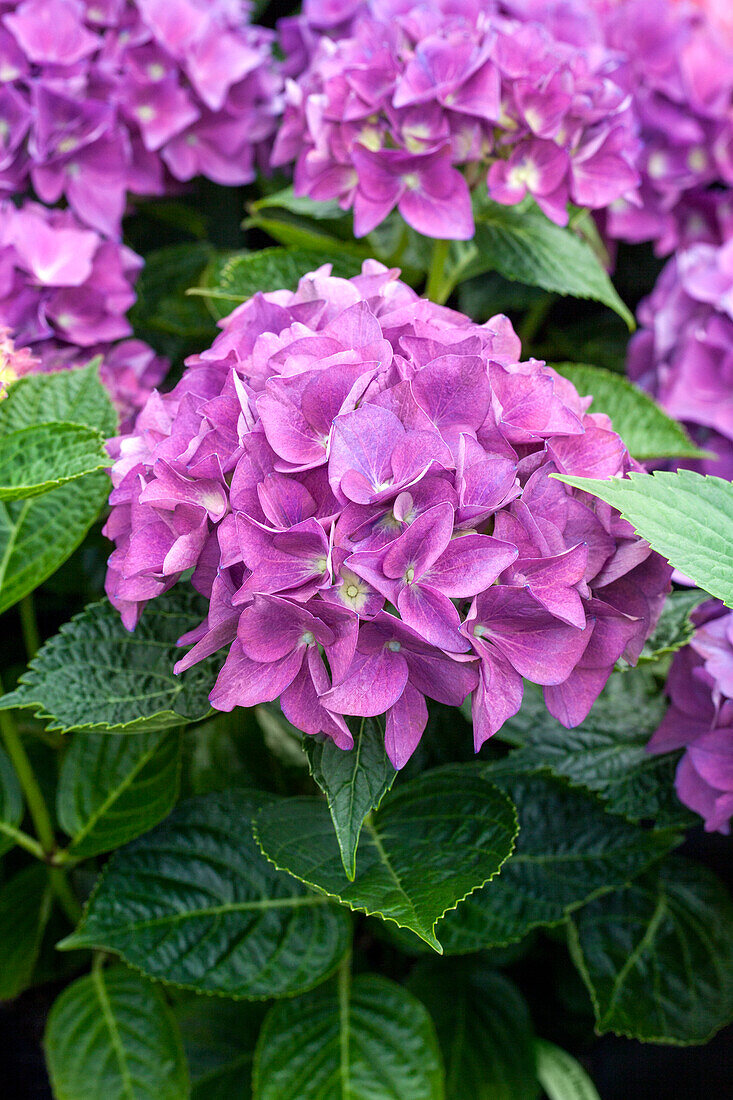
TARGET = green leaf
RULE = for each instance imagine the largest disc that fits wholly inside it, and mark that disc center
(685, 516)
(25, 905)
(523, 245)
(484, 1029)
(39, 458)
(568, 850)
(112, 1034)
(418, 856)
(371, 1039)
(301, 223)
(95, 675)
(38, 535)
(607, 752)
(163, 315)
(11, 801)
(196, 904)
(657, 956)
(644, 427)
(68, 396)
(562, 1076)
(674, 628)
(353, 782)
(219, 1039)
(301, 205)
(112, 789)
(246, 273)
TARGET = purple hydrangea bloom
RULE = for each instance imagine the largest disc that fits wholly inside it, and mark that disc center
(402, 104)
(98, 100)
(65, 292)
(360, 481)
(700, 718)
(683, 351)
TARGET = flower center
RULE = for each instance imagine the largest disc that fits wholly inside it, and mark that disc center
(410, 574)
(411, 181)
(393, 646)
(308, 638)
(352, 591)
(145, 113)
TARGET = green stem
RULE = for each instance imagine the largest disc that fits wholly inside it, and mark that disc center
(33, 796)
(29, 626)
(65, 896)
(438, 287)
(23, 840)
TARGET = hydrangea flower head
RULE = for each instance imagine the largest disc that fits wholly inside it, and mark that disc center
(14, 362)
(683, 351)
(98, 100)
(361, 482)
(700, 718)
(65, 292)
(400, 104)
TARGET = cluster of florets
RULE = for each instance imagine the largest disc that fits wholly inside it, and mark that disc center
(103, 98)
(700, 718)
(678, 67)
(65, 291)
(683, 352)
(406, 104)
(14, 362)
(361, 482)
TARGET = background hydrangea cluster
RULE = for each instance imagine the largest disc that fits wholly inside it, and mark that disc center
(102, 99)
(65, 292)
(355, 472)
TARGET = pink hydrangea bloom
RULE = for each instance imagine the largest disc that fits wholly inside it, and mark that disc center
(65, 292)
(683, 351)
(401, 103)
(101, 99)
(700, 718)
(14, 362)
(360, 481)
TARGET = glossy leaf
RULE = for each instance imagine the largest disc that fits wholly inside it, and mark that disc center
(112, 789)
(11, 801)
(607, 752)
(112, 1035)
(567, 851)
(25, 905)
(484, 1029)
(39, 458)
(644, 427)
(657, 956)
(418, 856)
(69, 683)
(353, 782)
(351, 1041)
(685, 516)
(38, 535)
(71, 396)
(562, 1076)
(219, 1039)
(196, 904)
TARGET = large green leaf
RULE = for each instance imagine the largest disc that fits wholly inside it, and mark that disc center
(644, 427)
(196, 904)
(219, 1038)
(39, 458)
(568, 850)
(607, 752)
(366, 1040)
(163, 315)
(112, 789)
(353, 782)
(38, 535)
(562, 1076)
(685, 516)
(25, 905)
(674, 627)
(523, 245)
(419, 854)
(484, 1029)
(112, 1035)
(95, 675)
(70, 396)
(11, 801)
(657, 956)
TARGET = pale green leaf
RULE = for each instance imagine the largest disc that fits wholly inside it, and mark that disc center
(39, 458)
(196, 904)
(112, 1035)
(419, 854)
(657, 956)
(25, 905)
(685, 516)
(112, 789)
(71, 396)
(356, 1041)
(562, 1076)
